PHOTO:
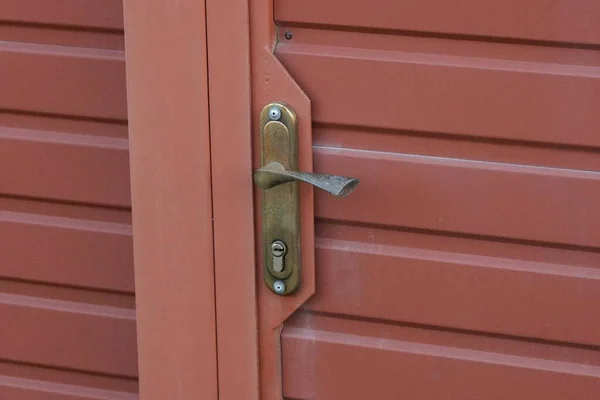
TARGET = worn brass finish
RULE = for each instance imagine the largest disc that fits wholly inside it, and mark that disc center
(279, 177)
(280, 210)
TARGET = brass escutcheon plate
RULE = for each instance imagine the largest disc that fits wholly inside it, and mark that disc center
(280, 208)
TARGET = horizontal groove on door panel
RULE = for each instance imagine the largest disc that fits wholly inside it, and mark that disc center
(66, 251)
(480, 97)
(67, 302)
(68, 335)
(460, 244)
(53, 376)
(339, 358)
(62, 80)
(555, 21)
(46, 207)
(415, 43)
(64, 166)
(549, 205)
(501, 295)
(63, 36)
(31, 389)
(65, 124)
(75, 308)
(507, 345)
(442, 145)
(99, 14)
(62, 292)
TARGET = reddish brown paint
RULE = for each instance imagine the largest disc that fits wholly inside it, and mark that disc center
(231, 143)
(97, 250)
(451, 253)
(66, 269)
(100, 39)
(84, 182)
(69, 75)
(534, 203)
(529, 99)
(98, 14)
(555, 20)
(167, 81)
(333, 358)
(270, 82)
(466, 263)
(101, 326)
(479, 283)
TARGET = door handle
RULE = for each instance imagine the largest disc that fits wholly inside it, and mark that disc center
(274, 174)
(279, 177)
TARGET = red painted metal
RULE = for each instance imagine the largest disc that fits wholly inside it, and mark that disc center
(466, 263)
(66, 269)
(167, 82)
(233, 222)
(271, 82)
(71, 81)
(97, 14)
(332, 358)
(539, 20)
(505, 99)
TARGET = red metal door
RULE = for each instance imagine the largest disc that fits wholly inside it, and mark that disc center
(67, 305)
(466, 264)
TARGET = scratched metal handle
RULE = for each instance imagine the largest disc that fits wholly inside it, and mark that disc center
(274, 174)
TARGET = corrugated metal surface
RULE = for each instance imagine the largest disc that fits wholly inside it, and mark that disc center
(467, 263)
(66, 268)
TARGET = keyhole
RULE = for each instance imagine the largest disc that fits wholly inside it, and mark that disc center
(278, 250)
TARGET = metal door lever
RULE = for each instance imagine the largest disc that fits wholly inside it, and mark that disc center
(274, 174)
(280, 199)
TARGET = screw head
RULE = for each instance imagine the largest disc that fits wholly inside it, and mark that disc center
(274, 113)
(279, 287)
(288, 35)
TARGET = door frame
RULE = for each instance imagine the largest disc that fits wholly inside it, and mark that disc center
(228, 34)
(191, 169)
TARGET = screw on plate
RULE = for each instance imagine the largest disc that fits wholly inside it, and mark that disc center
(288, 35)
(274, 113)
(279, 287)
